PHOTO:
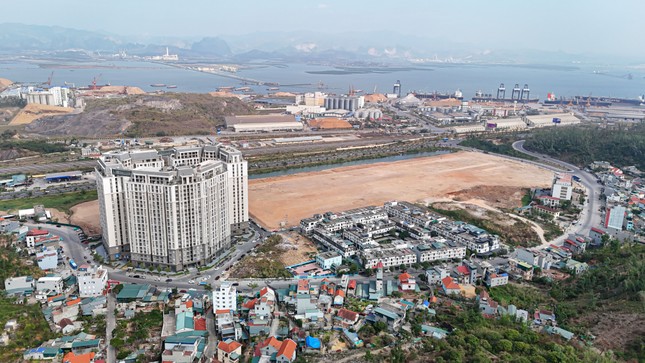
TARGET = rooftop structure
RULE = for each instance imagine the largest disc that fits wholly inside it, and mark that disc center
(198, 193)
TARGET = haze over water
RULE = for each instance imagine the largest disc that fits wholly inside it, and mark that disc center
(576, 80)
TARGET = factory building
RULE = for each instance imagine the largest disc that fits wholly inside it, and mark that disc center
(171, 209)
(263, 123)
(55, 96)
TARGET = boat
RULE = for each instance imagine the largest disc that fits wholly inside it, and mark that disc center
(273, 88)
(158, 85)
(487, 97)
(439, 95)
(172, 86)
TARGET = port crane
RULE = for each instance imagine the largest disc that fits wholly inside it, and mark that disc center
(49, 80)
(96, 79)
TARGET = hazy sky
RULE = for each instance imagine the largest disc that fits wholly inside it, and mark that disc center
(576, 26)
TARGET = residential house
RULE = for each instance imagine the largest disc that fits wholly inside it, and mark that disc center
(92, 280)
(347, 318)
(436, 274)
(225, 298)
(493, 279)
(287, 352)
(407, 282)
(229, 351)
(449, 287)
(487, 306)
(327, 260)
(352, 339)
(22, 285)
(390, 314)
(576, 266)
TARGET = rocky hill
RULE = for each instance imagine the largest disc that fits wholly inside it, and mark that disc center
(144, 115)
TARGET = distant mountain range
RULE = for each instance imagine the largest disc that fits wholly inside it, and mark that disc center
(384, 47)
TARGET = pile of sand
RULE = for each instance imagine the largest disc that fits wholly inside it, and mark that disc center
(34, 111)
(375, 98)
(224, 94)
(128, 90)
(329, 123)
(4, 83)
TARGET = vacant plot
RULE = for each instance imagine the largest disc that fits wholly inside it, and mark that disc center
(298, 248)
(288, 199)
(34, 111)
(86, 215)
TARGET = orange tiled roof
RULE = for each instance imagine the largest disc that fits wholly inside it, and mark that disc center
(229, 347)
(78, 358)
(288, 348)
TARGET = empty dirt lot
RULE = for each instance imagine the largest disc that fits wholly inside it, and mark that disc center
(293, 197)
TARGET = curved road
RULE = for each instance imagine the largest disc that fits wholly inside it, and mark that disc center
(590, 215)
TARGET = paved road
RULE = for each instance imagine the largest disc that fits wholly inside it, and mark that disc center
(44, 168)
(590, 215)
(72, 246)
(109, 327)
(210, 276)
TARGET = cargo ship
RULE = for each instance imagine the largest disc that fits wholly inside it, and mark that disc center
(172, 86)
(439, 95)
(551, 99)
(158, 85)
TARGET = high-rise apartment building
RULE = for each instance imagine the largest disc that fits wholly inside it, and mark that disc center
(174, 208)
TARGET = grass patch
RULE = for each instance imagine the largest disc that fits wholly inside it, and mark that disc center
(524, 297)
(518, 234)
(61, 202)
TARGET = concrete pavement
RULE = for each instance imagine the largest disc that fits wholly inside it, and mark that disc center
(109, 327)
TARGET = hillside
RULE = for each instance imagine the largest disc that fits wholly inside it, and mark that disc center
(144, 115)
(620, 146)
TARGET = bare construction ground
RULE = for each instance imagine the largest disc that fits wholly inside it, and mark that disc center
(86, 215)
(288, 199)
(34, 111)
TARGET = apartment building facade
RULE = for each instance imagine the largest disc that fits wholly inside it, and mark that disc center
(174, 208)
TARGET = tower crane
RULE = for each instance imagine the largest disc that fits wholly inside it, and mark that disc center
(96, 80)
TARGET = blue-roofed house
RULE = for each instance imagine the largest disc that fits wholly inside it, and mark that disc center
(185, 322)
(435, 332)
(42, 353)
(352, 339)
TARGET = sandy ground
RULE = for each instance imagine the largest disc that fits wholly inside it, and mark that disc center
(298, 248)
(34, 111)
(290, 198)
(86, 215)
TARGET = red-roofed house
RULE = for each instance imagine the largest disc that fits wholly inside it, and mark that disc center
(339, 297)
(450, 287)
(269, 346)
(407, 282)
(303, 287)
(462, 274)
(347, 318)
(229, 351)
(71, 357)
(287, 352)
(200, 323)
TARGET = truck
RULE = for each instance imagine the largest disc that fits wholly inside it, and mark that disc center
(73, 264)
